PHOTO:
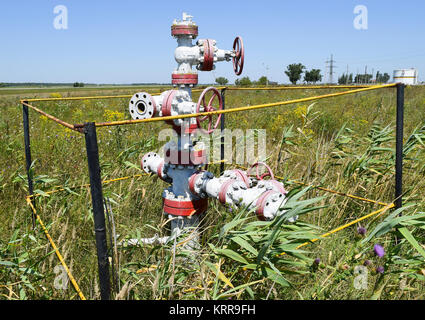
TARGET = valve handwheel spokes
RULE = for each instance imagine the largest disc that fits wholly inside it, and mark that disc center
(256, 165)
(238, 60)
(208, 108)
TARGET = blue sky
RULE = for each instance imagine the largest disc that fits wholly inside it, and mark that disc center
(129, 41)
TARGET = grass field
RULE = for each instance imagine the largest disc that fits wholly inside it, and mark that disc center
(344, 143)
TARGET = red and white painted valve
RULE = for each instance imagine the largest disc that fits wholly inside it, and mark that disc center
(187, 196)
(203, 55)
(235, 188)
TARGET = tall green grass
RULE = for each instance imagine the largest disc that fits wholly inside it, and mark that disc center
(344, 143)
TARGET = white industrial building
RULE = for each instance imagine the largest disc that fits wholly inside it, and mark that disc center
(406, 76)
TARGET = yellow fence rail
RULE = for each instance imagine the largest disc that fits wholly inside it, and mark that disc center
(240, 109)
(232, 110)
(55, 248)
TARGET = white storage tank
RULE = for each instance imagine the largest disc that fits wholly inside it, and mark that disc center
(406, 76)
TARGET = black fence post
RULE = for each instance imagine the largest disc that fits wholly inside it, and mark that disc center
(223, 91)
(28, 160)
(399, 147)
(98, 209)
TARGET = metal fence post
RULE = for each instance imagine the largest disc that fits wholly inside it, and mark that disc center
(98, 209)
(28, 160)
(223, 92)
(399, 147)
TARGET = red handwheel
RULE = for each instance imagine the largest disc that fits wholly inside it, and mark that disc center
(208, 108)
(269, 172)
(238, 59)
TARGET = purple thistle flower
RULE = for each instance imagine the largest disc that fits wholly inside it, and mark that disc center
(380, 269)
(361, 231)
(367, 263)
(316, 261)
(379, 250)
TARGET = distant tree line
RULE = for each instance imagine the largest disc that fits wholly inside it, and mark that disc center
(295, 71)
(78, 84)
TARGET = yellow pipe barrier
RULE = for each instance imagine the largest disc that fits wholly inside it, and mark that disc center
(247, 108)
(295, 88)
(61, 188)
(75, 98)
(338, 192)
(327, 234)
(71, 277)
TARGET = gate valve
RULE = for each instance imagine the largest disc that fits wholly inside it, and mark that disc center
(209, 54)
(202, 106)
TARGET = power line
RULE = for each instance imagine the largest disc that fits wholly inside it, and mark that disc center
(331, 68)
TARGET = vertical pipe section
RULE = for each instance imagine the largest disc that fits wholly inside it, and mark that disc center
(98, 209)
(399, 147)
(28, 160)
(223, 92)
